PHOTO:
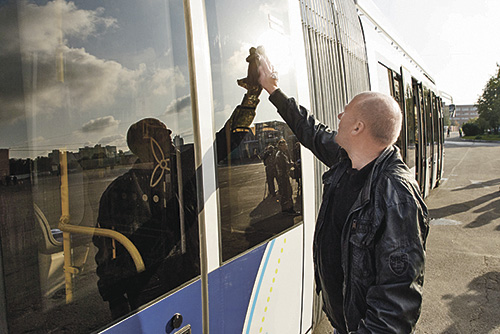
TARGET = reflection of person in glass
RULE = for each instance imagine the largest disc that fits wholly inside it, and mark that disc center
(269, 157)
(297, 171)
(283, 166)
(154, 205)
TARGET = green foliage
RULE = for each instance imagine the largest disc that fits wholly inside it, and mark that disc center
(471, 128)
(488, 104)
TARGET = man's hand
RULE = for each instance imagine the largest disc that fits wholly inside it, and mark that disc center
(268, 77)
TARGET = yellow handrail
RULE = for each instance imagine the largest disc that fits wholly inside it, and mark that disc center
(67, 229)
(65, 226)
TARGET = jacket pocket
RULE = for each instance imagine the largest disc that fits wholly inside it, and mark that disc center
(361, 249)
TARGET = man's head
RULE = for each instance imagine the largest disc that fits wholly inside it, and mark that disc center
(140, 137)
(282, 145)
(370, 116)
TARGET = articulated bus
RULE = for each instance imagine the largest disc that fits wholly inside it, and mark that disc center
(136, 191)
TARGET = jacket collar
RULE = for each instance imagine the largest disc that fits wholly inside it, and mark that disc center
(332, 176)
(381, 162)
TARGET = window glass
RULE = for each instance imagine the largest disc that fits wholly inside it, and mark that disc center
(411, 123)
(258, 157)
(396, 80)
(384, 79)
(428, 115)
(435, 115)
(96, 129)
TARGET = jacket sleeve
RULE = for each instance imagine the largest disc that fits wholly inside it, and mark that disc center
(315, 136)
(394, 300)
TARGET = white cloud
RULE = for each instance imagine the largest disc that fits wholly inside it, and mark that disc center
(237, 66)
(43, 27)
(89, 83)
(179, 105)
(100, 124)
(114, 140)
(165, 80)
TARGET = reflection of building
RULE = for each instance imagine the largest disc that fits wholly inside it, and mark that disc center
(178, 141)
(54, 161)
(270, 132)
(4, 163)
(97, 152)
(97, 156)
(463, 113)
(258, 138)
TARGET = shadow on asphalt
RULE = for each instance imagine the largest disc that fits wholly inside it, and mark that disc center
(488, 212)
(477, 303)
(478, 185)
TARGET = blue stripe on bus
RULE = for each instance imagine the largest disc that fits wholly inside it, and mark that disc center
(271, 244)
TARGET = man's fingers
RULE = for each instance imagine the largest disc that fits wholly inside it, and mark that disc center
(265, 64)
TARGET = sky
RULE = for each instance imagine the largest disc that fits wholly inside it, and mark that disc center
(117, 71)
(456, 40)
(91, 68)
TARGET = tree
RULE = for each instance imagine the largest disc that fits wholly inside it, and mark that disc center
(488, 104)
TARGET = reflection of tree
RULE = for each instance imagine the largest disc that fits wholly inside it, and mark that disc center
(476, 311)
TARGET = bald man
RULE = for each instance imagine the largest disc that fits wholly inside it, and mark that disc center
(369, 242)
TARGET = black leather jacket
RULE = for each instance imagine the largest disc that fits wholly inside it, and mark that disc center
(383, 239)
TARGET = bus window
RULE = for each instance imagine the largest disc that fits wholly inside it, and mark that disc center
(96, 116)
(384, 79)
(412, 125)
(258, 161)
(428, 115)
(435, 114)
(393, 85)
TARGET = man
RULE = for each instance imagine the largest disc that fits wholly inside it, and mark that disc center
(269, 157)
(154, 206)
(283, 166)
(369, 243)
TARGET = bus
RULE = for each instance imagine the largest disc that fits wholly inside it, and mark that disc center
(136, 190)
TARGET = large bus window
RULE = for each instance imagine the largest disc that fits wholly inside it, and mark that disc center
(258, 157)
(98, 200)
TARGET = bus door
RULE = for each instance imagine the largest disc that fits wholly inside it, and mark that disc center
(427, 134)
(99, 210)
(258, 286)
(435, 139)
(439, 103)
(411, 121)
(396, 89)
(421, 140)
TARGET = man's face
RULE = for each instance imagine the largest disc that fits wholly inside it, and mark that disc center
(283, 146)
(347, 122)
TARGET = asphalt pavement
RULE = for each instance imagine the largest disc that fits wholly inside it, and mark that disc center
(462, 281)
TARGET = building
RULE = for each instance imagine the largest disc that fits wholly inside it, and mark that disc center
(4, 164)
(463, 113)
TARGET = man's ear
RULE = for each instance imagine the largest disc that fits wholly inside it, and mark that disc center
(358, 128)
